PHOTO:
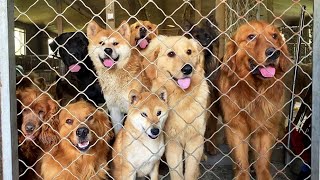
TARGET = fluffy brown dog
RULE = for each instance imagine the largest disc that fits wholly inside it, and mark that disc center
(178, 66)
(142, 32)
(37, 122)
(82, 152)
(255, 61)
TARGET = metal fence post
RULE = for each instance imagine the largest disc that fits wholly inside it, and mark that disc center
(315, 145)
(7, 92)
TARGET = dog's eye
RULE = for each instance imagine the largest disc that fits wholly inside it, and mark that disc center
(158, 113)
(101, 43)
(171, 54)
(274, 36)
(69, 121)
(251, 37)
(189, 51)
(90, 117)
(137, 27)
(144, 114)
(115, 43)
(149, 27)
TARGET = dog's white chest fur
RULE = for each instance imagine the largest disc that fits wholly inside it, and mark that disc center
(114, 88)
(146, 154)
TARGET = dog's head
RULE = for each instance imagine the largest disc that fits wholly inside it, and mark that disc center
(148, 112)
(82, 126)
(108, 48)
(180, 59)
(141, 34)
(73, 50)
(41, 109)
(258, 49)
(205, 32)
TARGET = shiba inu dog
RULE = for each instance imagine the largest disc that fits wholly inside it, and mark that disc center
(140, 144)
(177, 64)
(117, 68)
(142, 32)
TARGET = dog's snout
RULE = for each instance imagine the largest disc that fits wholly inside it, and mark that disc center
(155, 131)
(30, 127)
(108, 51)
(187, 69)
(272, 53)
(82, 132)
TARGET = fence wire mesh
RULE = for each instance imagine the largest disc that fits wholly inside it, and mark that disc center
(125, 89)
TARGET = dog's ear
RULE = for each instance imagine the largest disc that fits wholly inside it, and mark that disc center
(284, 59)
(229, 64)
(105, 124)
(149, 64)
(212, 23)
(200, 54)
(124, 30)
(163, 94)
(92, 29)
(187, 25)
(134, 96)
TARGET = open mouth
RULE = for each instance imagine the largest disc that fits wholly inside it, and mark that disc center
(183, 83)
(266, 71)
(83, 145)
(142, 42)
(109, 62)
(153, 136)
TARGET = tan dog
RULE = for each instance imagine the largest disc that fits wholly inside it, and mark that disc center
(140, 144)
(142, 32)
(178, 66)
(118, 69)
(82, 152)
(254, 65)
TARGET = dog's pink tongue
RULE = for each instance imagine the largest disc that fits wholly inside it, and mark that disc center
(108, 62)
(75, 68)
(143, 43)
(268, 71)
(184, 83)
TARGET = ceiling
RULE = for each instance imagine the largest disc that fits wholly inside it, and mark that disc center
(76, 13)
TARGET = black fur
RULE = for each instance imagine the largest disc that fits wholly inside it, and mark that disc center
(72, 48)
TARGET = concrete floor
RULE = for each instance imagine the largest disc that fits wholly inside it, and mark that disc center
(220, 166)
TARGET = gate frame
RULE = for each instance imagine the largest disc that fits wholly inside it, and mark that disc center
(8, 109)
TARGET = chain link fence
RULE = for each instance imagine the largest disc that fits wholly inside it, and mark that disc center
(177, 89)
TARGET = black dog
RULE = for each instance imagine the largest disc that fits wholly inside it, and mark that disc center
(72, 48)
(206, 32)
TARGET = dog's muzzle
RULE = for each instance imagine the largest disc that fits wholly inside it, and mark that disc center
(83, 142)
(154, 132)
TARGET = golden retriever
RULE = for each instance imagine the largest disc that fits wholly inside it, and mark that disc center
(142, 32)
(177, 64)
(255, 61)
(140, 144)
(82, 152)
(118, 69)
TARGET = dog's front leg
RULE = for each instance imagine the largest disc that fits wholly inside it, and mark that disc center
(116, 119)
(154, 175)
(193, 154)
(174, 152)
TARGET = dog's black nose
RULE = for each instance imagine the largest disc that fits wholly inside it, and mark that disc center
(108, 51)
(155, 131)
(82, 132)
(187, 69)
(272, 54)
(30, 127)
(143, 32)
